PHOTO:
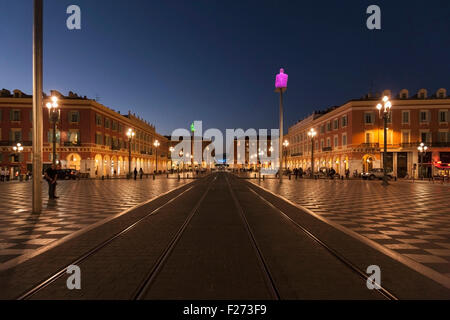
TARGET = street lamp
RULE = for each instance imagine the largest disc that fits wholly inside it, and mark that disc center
(54, 114)
(285, 145)
(422, 150)
(312, 133)
(18, 149)
(384, 110)
(156, 144)
(130, 135)
(171, 149)
(281, 82)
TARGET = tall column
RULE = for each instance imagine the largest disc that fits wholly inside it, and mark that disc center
(37, 106)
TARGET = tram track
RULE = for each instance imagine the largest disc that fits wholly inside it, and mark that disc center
(30, 293)
(342, 259)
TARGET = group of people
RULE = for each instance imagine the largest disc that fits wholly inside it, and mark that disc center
(4, 174)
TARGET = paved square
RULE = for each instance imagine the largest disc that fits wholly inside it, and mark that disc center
(81, 204)
(412, 219)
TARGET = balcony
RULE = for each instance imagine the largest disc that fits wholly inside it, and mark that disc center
(440, 144)
(13, 143)
(370, 145)
(116, 148)
(299, 154)
(327, 149)
(72, 144)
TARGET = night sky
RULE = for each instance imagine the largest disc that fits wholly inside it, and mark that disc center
(177, 61)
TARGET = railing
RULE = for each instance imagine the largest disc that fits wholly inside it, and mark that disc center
(369, 145)
(14, 143)
(300, 154)
(72, 144)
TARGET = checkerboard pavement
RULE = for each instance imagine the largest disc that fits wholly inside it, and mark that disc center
(410, 219)
(81, 204)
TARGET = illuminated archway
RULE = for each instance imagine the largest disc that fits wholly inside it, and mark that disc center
(74, 161)
(98, 165)
(368, 161)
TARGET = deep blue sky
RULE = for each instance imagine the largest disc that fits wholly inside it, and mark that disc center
(177, 61)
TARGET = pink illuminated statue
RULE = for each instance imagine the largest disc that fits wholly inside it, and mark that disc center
(281, 80)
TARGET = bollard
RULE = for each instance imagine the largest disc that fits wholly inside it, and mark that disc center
(154, 177)
(263, 178)
(179, 177)
(289, 177)
(103, 177)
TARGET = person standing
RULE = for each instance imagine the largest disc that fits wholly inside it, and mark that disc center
(141, 173)
(135, 173)
(51, 177)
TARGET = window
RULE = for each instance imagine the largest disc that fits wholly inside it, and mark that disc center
(424, 116)
(114, 125)
(120, 128)
(405, 136)
(368, 118)
(50, 136)
(74, 117)
(107, 140)
(336, 141)
(442, 136)
(368, 137)
(329, 126)
(344, 139)
(344, 121)
(443, 116)
(14, 115)
(107, 121)
(74, 136)
(328, 142)
(336, 124)
(322, 129)
(98, 138)
(425, 137)
(405, 117)
(98, 119)
(321, 144)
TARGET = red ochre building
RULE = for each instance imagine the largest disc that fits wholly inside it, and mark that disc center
(351, 136)
(91, 137)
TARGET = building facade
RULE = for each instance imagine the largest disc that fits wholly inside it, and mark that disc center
(351, 136)
(90, 137)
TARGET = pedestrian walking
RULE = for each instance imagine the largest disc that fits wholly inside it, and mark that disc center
(135, 173)
(141, 173)
(51, 176)
(347, 174)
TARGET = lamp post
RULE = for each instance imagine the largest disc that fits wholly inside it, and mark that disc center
(18, 149)
(285, 145)
(422, 150)
(281, 81)
(171, 150)
(312, 133)
(54, 114)
(384, 112)
(156, 144)
(37, 105)
(130, 135)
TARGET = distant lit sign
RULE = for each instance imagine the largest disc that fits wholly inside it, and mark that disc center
(192, 127)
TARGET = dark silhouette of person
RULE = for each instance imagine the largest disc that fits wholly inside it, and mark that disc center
(51, 176)
(135, 173)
